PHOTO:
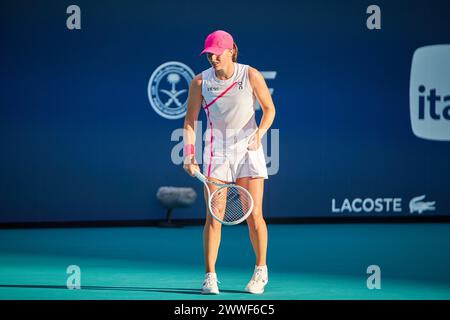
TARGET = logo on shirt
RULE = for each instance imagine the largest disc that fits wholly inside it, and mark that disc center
(168, 89)
(429, 93)
(239, 85)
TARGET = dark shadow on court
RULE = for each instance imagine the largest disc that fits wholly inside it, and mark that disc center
(161, 290)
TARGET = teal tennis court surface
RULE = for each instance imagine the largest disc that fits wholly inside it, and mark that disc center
(306, 261)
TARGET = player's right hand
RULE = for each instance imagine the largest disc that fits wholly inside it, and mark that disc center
(190, 165)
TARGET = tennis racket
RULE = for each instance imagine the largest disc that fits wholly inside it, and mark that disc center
(229, 204)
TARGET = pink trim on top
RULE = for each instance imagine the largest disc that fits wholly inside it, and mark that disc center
(210, 123)
(211, 144)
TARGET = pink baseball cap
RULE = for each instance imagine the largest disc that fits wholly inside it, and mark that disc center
(217, 42)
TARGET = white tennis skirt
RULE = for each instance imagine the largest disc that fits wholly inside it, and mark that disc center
(234, 161)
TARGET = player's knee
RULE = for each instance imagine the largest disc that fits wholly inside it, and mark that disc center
(257, 212)
(213, 224)
(255, 220)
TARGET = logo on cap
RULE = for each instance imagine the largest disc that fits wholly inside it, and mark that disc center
(168, 89)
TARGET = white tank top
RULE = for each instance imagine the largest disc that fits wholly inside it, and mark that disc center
(235, 109)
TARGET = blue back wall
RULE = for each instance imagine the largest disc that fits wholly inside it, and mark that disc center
(79, 139)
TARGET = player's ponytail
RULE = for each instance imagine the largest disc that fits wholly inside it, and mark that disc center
(235, 52)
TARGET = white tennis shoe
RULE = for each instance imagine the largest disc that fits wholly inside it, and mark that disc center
(210, 284)
(258, 281)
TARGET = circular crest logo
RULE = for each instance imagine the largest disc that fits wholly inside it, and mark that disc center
(168, 89)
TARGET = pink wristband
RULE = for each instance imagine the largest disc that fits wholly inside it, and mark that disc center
(189, 149)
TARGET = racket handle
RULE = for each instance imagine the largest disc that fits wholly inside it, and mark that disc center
(199, 176)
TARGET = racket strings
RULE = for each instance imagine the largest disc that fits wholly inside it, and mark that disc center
(230, 204)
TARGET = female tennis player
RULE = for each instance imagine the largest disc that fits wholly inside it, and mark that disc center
(227, 92)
